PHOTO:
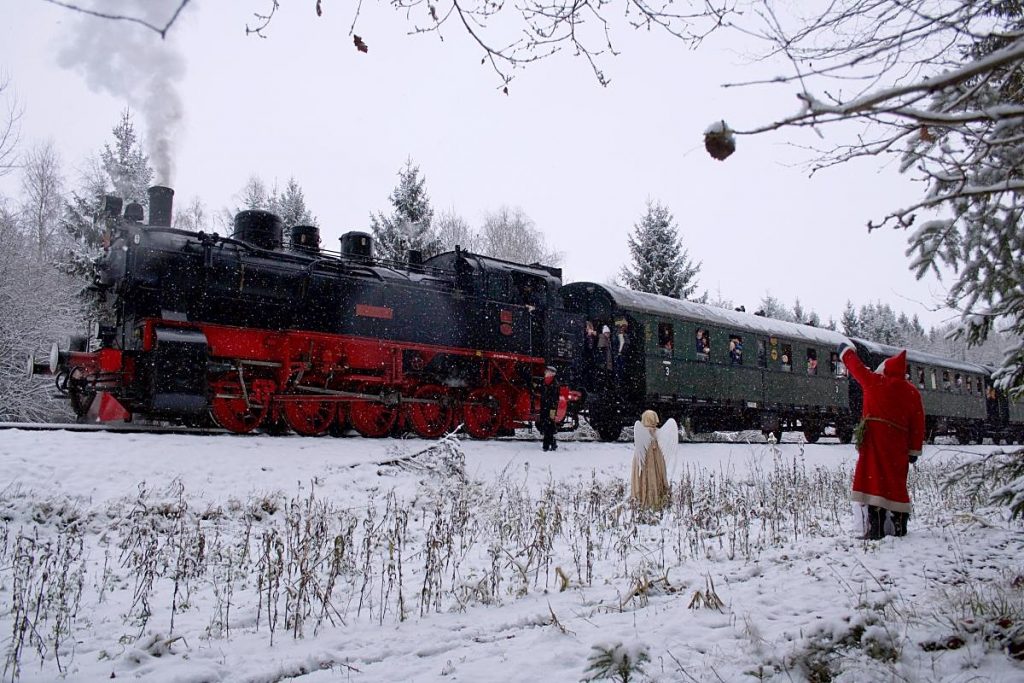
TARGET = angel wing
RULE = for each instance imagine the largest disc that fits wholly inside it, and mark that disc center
(668, 438)
(641, 442)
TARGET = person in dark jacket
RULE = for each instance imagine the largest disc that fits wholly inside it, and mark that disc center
(548, 409)
(891, 435)
(589, 356)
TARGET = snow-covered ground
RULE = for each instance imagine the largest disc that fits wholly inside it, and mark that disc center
(209, 558)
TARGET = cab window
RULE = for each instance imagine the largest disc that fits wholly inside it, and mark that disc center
(812, 361)
(762, 353)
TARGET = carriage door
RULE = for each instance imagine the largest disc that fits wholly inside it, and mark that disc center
(665, 354)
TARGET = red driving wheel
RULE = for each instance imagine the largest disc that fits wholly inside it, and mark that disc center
(373, 419)
(236, 410)
(483, 413)
(431, 418)
(309, 418)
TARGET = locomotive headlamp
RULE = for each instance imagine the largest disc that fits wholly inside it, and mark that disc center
(54, 357)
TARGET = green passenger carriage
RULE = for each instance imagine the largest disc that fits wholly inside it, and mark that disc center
(953, 392)
(711, 368)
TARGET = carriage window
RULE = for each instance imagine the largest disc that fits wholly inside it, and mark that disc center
(946, 384)
(970, 384)
(735, 349)
(958, 383)
(979, 387)
(666, 337)
(812, 361)
(762, 354)
(920, 378)
(835, 365)
(787, 358)
(934, 384)
(703, 341)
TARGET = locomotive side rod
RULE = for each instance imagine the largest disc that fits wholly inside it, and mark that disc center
(338, 396)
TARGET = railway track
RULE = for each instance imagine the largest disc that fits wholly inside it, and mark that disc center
(136, 428)
(127, 428)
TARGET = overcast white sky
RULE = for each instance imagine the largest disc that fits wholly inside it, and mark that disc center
(581, 160)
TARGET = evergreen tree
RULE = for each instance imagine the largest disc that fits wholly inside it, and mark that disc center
(798, 311)
(122, 169)
(126, 165)
(878, 322)
(849, 321)
(290, 205)
(660, 264)
(410, 224)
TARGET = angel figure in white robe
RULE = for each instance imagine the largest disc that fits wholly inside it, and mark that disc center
(650, 447)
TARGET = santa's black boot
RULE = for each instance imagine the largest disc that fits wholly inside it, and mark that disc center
(876, 523)
(899, 522)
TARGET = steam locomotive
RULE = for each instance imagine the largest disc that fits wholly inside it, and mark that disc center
(259, 332)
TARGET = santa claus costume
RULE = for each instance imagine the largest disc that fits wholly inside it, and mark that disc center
(891, 433)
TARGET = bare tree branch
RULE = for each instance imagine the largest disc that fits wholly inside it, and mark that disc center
(161, 30)
(10, 128)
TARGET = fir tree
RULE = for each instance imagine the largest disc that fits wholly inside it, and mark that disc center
(410, 224)
(660, 264)
(849, 321)
(878, 322)
(798, 312)
(291, 206)
(126, 165)
(123, 170)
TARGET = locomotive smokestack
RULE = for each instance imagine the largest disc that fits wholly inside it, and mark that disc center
(161, 200)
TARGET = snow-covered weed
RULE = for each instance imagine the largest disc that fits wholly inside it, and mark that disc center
(984, 610)
(279, 564)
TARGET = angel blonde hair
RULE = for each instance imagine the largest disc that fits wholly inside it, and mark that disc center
(649, 418)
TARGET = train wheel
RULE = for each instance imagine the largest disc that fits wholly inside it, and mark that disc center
(309, 418)
(431, 419)
(79, 392)
(844, 434)
(232, 411)
(812, 434)
(482, 413)
(373, 419)
(608, 431)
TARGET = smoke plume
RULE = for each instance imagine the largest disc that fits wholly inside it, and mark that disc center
(132, 62)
